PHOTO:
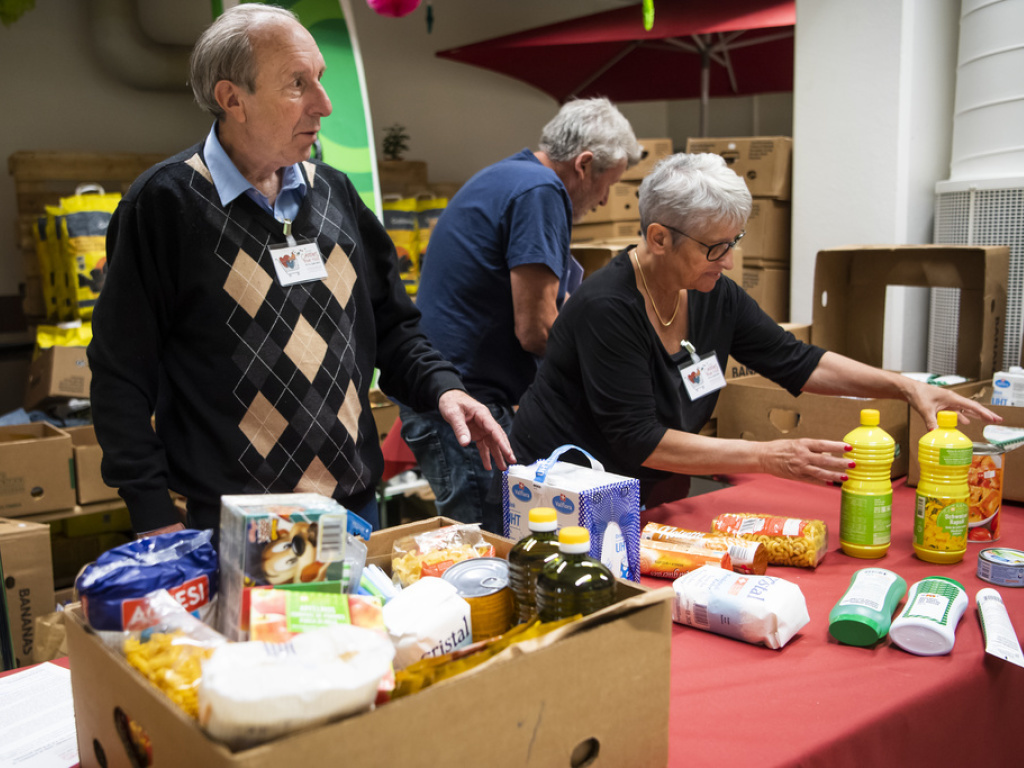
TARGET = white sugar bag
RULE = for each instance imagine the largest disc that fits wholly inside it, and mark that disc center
(756, 609)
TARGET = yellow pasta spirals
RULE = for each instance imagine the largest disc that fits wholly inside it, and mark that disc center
(788, 540)
(172, 663)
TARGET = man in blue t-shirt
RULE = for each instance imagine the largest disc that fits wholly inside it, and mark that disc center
(498, 270)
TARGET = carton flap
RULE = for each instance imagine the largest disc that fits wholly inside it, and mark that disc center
(641, 598)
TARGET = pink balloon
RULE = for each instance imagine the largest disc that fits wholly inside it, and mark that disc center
(393, 8)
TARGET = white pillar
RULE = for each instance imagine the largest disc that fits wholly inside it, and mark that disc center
(872, 130)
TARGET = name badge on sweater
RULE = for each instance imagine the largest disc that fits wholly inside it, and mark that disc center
(297, 262)
(703, 375)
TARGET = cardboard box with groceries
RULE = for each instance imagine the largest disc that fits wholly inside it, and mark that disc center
(764, 162)
(1013, 461)
(754, 408)
(850, 291)
(59, 373)
(530, 704)
(36, 469)
(28, 579)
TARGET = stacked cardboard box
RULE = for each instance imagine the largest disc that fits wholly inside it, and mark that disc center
(619, 218)
(765, 163)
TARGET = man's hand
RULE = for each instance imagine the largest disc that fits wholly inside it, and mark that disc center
(471, 421)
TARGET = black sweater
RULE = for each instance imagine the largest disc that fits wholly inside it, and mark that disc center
(255, 387)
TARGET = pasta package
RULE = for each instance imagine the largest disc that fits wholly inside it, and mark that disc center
(745, 556)
(435, 551)
(168, 645)
(788, 540)
(670, 560)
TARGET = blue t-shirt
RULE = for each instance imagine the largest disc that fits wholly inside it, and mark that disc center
(514, 212)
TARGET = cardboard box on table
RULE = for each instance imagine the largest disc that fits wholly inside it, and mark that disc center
(1013, 462)
(533, 704)
(754, 408)
(849, 298)
(59, 373)
(28, 579)
(36, 469)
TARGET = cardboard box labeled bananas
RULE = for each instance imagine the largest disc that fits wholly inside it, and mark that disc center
(520, 708)
(28, 579)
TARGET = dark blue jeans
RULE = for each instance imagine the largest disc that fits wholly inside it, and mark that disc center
(461, 485)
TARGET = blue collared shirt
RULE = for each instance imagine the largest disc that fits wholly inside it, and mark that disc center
(230, 183)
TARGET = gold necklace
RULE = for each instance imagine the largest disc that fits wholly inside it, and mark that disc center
(651, 297)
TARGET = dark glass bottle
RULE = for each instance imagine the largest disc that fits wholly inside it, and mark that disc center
(526, 559)
(573, 583)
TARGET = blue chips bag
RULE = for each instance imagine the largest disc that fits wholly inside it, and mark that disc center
(114, 587)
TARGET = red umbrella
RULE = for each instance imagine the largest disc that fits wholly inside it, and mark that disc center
(696, 48)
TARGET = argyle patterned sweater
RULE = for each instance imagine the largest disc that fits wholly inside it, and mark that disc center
(255, 387)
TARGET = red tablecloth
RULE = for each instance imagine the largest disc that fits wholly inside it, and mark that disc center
(818, 703)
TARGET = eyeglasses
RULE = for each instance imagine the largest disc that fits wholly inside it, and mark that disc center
(717, 251)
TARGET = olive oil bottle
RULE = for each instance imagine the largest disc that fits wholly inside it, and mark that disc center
(528, 556)
(573, 583)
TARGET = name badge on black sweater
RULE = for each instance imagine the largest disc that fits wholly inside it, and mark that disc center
(703, 375)
(297, 262)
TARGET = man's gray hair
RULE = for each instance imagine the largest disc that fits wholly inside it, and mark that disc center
(225, 51)
(691, 191)
(594, 125)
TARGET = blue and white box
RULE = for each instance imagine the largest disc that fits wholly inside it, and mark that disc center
(1008, 387)
(606, 504)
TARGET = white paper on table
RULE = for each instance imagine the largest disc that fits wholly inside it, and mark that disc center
(37, 718)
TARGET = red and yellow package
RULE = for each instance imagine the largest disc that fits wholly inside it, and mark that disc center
(789, 540)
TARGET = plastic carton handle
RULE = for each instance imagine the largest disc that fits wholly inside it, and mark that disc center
(544, 465)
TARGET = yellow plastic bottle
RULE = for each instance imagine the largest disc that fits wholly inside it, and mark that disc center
(865, 521)
(940, 507)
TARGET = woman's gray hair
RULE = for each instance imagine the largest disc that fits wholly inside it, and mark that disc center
(590, 124)
(689, 191)
(225, 51)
